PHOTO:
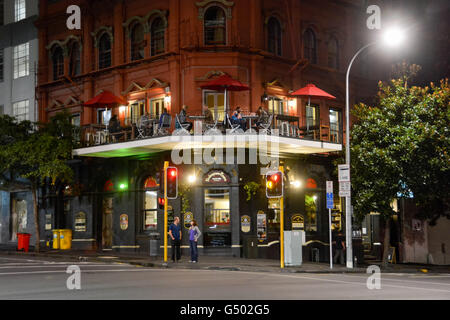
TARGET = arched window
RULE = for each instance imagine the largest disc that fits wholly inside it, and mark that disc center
(75, 59)
(58, 62)
(333, 53)
(310, 46)
(104, 51)
(137, 42)
(215, 26)
(157, 31)
(274, 36)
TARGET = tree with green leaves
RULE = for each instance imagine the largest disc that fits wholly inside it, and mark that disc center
(400, 148)
(31, 157)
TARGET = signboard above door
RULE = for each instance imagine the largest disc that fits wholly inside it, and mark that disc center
(217, 177)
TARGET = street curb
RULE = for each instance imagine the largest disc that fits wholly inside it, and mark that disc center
(159, 265)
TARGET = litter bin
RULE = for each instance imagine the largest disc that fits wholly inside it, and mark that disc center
(65, 239)
(56, 241)
(23, 241)
(251, 247)
(154, 244)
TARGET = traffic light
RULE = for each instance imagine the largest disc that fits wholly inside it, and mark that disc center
(161, 203)
(172, 182)
(274, 184)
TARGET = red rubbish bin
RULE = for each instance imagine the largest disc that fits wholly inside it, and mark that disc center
(23, 241)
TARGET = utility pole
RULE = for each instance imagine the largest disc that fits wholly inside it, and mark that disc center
(166, 165)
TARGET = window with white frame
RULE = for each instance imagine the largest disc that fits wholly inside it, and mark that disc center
(20, 10)
(21, 60)
(20, 110)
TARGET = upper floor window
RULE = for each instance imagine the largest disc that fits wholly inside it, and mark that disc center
(137, 42)
(274, 36)
(310, 46)
(333, 54)
(104, 51)
(75, 59)
(21, 60)
(20, 110)
(157, 31)
(215, 26)
(58, 62)
(20, 10)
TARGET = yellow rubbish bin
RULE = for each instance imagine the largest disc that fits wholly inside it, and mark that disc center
(56, 241)
(65, 239)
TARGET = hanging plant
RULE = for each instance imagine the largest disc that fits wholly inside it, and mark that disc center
(251, 188)
(183, 193)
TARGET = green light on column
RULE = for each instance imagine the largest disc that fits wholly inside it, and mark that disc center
(122, 186)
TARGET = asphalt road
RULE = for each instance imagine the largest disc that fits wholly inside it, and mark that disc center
(43, 279)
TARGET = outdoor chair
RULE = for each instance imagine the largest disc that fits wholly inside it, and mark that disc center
(163, 129)
(265, 127)
(211, 128)
(234, 128)
(181, 128)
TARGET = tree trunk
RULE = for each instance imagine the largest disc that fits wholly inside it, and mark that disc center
(387, 240)
(34, 191)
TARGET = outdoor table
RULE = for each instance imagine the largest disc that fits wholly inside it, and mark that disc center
(250, 117)
(286, 121)
(198, 123)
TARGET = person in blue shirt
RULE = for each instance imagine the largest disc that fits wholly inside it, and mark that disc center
(236, 118)
(161, 118)
(175, 235)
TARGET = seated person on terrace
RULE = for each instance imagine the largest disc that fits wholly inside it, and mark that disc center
(161, 118)
(209, 119)
(263, 117)
(145, 123)
(182, 117)
(236, 118)
(114, 125)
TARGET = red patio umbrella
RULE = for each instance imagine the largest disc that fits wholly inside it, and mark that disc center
(226, 83)
(103, 100)
(311, 91)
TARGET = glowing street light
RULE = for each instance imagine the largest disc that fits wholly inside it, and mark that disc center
(393, 37)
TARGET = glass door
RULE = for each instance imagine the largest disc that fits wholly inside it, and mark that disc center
(217, 224)
(215, 101)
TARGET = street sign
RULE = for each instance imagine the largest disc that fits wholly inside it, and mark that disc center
(330, 201)
(345, 188)
(344, 172)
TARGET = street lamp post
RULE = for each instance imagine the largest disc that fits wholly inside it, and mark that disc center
(348, 201)
(392, 37)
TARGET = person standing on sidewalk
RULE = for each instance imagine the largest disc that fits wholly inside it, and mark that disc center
(340, 248)
(175, 235)
(194, 234)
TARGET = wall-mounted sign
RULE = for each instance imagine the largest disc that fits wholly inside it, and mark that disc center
(261, 222)
(187, 218)
(245, 224)
(124, 221)
(298, 222)
(416, 225)
(80, 222)
(217, 176)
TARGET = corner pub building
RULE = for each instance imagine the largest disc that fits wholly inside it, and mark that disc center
(157, 54)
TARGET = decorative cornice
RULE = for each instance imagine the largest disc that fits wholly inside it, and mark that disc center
(210, 74)
(135, 87)
(203, 5)
(156, 83)
(131, 88)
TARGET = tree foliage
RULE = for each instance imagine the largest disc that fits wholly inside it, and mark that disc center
(400, 148)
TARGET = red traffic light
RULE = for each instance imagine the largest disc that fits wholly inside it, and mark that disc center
(172, 172)
(274, 184)
(161, 201)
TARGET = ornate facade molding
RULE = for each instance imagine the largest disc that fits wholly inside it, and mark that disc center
(205, 4)
(211, 74)
(145, 21)
(99, 32)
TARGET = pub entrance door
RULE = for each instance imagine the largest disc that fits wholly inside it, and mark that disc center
(217, 217)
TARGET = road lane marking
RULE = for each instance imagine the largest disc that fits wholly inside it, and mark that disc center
(64, 271)
(63, 265)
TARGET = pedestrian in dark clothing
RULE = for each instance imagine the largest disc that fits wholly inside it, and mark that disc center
(175, 235)
(194, 234)
(339, 249)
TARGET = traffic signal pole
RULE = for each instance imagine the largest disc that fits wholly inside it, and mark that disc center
(282, 223)
(166, 165)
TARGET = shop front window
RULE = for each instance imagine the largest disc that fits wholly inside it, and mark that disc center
(311, 209)
(273, 216)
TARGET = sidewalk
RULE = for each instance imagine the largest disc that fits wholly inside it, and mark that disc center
(219, 263)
